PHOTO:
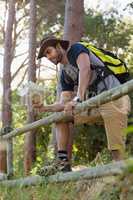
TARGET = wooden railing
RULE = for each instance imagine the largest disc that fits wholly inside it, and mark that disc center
(89, 104)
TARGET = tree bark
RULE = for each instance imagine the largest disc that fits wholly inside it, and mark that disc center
(6, 105)
(30, 138)
(89, 104)
(74, 21)
(73, 31)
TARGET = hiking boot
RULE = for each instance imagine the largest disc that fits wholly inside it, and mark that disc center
(58, 165)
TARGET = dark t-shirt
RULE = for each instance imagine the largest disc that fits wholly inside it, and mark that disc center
(74, 52)
(67, 81)
(67, 84)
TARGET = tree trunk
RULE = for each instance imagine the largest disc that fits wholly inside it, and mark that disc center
(30, 138)
(74, 21)
(73, 31)
(6, 106)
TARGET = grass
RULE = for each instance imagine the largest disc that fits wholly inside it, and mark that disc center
(109, 188)
(43, 192)
(81, 190)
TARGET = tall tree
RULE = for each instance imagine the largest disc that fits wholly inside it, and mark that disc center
(73, 31)
(6, 105)
(30, 138)
(74, 20)
(116, 31)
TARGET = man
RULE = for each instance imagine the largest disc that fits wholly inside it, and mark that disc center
(82, 62)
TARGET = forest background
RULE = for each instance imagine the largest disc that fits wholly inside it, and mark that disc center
(110, 28)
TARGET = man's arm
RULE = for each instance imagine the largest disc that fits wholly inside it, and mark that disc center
(65, 97)
(56, 107)
(83, 63)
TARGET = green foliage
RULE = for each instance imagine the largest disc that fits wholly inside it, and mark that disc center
(129, 130)
(18, 110)
(43, 135)
(103, 157)
(89, 140)
(96, 189)
(105, 30)
(129, 143)
(45, 132)
(108, 30)
(47, 192)
(19, 118)
(129, 168)
(110, 193)
(50, 16)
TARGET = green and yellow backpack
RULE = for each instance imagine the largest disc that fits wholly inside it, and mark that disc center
(114, 64)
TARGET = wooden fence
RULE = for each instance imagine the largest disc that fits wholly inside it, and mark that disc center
(89, 104)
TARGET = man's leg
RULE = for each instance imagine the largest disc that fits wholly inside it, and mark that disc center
(64, 131)
(115, 118)
(62, 135)
(62, 139)
(61, 163)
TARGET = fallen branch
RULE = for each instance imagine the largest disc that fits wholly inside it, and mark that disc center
(88, 173)
(94, 102)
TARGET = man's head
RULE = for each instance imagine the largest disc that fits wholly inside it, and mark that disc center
(53, 48)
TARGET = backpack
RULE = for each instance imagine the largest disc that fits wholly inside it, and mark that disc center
(114, 64)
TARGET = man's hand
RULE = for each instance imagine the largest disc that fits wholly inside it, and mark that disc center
(56, 107)
(69, 107)
(39, 108)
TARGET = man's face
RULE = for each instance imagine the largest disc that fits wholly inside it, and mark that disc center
(53, 54)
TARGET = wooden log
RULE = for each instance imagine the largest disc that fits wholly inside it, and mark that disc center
(114, 169)
(3, 176)
(88, 117)
(94, 102)
(105, 97)
(56, 117)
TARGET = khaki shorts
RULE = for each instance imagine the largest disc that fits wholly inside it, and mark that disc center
(115, 116)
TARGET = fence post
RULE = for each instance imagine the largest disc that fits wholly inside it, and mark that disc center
(9, 144)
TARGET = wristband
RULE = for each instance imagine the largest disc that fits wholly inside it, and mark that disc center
(77, 99)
